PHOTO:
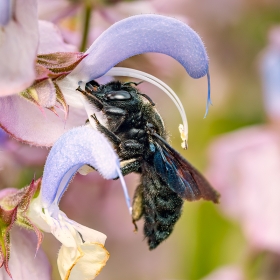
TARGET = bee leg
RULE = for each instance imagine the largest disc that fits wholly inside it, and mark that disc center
(129, 166)
(135, 226)
(137, 206)
(132, 166)
(116, 116)
(148, 98)
(130, 149)
(91, 98)
(115, 111)
(112, 137)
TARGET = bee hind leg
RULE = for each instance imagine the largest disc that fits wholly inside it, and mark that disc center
(137, 206)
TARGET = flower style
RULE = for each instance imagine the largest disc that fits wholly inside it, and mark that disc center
(59, 75)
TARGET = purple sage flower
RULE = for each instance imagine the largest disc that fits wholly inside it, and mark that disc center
(31, 116)
(60, 74)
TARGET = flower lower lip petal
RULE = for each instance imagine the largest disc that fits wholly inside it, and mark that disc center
(85, 262)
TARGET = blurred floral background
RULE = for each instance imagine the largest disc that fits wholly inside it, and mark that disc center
(237, 146)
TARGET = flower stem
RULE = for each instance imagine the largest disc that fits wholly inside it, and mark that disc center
(86, 24)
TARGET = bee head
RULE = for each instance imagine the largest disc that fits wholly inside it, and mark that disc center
(114, 93)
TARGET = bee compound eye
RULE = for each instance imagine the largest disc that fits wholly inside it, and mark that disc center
(118, 95)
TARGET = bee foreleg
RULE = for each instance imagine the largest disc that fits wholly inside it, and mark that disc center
(114, 111)
(132, 83)
(116, 116)
(91, 98)
(112, 137)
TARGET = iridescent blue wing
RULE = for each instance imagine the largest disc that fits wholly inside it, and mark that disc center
(179, 174)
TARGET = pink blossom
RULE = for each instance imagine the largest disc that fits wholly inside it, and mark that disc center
(17, 70)
(269, 65)
(226, 273)
(244, 167)
(24, 262)
(16, 110)
(51, 40)
(14, 205)
(60, 74)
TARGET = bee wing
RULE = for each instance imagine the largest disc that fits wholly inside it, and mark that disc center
(180, 175)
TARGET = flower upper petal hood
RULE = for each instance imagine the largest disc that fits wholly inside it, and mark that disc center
(142, 34)
(137, 35)
(77, 147)
(132, 36)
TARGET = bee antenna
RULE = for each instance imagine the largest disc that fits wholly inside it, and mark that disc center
(147, 97)
(133, 83)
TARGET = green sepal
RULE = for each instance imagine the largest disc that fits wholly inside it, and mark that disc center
(13, 209)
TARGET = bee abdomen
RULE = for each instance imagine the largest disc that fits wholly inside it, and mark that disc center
(162, 209)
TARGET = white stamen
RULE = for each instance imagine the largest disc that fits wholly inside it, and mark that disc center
(128, 72)
(126, 195)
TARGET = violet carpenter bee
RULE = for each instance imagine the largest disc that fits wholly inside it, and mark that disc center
(136, 130)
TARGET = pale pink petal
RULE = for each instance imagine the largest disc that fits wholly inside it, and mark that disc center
(21, 119)
(53, 10)
(18, 48)
(274, 36)
(51, 40)
(25, 155)
(46, 93)
(7, 191)
(226, 273)
(23, 263)
(270, 73)
(244, 168)
(5, 12)
(125, 9)
(9, 170)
